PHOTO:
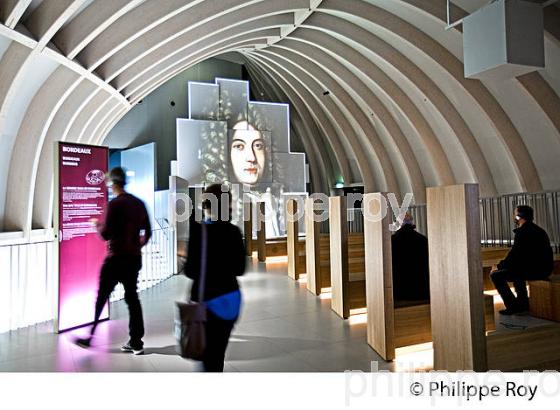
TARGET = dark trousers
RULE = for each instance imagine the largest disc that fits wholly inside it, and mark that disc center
(217, 338)
(123, 269)
(501, 279)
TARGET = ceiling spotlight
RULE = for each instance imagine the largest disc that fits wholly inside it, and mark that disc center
(326, 93)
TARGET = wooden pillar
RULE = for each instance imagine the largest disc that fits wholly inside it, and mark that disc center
(261, 231)
(456, 290)
(312, 248)
(379, 276)
(338, 227)
(292, 229)
(248, 227)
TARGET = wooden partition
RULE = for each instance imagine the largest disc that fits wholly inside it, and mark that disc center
(295, 248)
(248, 227)
(312, 249)
(261, 231)
(391, 325)
(455, 275)
(346, 261)
(340, 278)
(317, 252)
(456, 288)
(379, 277)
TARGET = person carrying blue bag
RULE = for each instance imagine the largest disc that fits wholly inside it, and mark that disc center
(224, 251)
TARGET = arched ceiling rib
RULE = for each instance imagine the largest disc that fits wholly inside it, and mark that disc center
(162, 71)
(380, 157)
(394, 141)
(271, 88)
(317, 168)
(188, 43)
(399, 66)
(322, 120)
(366, 154)
(395, 101)
(11, 11)
(400, 116)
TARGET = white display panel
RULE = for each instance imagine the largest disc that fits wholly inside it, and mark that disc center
(201, 151)
(140, 165)
(273, 117)
(234, 95)
(247, 145)
(204, 103)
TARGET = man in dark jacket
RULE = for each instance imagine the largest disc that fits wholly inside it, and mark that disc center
(126, 228)
(411, 274)
(530, 258)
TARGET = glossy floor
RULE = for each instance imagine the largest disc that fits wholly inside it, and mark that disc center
(283, 328)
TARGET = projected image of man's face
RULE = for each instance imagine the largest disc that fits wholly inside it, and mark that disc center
(228, 138)
(248, 156)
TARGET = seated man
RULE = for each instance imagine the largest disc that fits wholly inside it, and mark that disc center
(411, 274)
(530, 258)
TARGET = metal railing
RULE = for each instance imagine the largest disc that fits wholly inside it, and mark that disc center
(27, 284)
(418, 212)
(496, 217)
(28, 278)
(157, 261)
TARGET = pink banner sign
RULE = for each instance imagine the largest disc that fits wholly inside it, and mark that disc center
(82, 198)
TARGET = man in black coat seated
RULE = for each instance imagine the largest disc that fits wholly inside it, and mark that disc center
(530, 258)
(411, 274)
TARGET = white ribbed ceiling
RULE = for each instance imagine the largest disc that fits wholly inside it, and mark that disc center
(398, 116)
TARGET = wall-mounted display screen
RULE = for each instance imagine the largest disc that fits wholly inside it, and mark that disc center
(80, 203)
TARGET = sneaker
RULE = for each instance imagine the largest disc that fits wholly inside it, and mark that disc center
(83, 342)
(128, 348)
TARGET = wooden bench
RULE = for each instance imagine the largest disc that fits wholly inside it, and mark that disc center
(266, 248)
(412, 325)
(413, 322)
(275, 247)
(535, 348)
(544, 297)
(318, 270)
(491, 256)
(356, 280)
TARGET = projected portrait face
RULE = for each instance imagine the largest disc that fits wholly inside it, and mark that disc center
(248, 153)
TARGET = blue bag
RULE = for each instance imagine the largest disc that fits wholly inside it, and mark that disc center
(227, 306)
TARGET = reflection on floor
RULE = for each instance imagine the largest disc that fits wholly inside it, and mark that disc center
(283, 328)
